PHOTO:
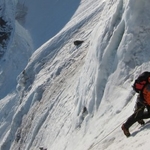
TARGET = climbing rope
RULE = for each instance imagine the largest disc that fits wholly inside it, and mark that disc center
(94, 144)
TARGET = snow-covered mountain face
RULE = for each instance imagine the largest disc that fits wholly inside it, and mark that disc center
(15, 47)
(58, 96)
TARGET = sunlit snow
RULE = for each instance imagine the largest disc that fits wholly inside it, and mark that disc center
(55, 95)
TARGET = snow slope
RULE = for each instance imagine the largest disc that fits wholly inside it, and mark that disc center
(60, 96)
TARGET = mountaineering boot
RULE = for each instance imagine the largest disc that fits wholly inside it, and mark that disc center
(141, 122)
(125, 130)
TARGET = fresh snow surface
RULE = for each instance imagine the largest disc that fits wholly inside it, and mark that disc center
(59, 96)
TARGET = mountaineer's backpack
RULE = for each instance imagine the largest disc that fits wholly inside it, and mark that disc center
(142, 86)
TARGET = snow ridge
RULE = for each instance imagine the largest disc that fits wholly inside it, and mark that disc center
(99, 64)
(67, 97)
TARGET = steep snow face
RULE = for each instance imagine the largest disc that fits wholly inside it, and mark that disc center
(75, 97)
(15, 57)
(121, 56)
(19, 48)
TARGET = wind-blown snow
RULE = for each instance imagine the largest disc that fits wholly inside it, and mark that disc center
(60, 96)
